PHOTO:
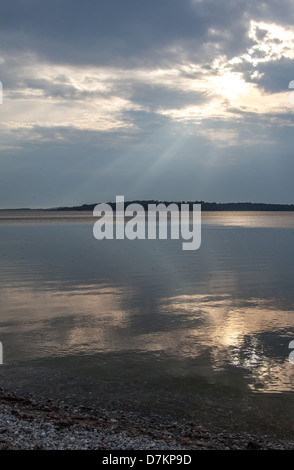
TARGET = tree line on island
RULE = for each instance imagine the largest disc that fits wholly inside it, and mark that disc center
(205, 206)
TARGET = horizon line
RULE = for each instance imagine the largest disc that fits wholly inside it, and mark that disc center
(154, 201)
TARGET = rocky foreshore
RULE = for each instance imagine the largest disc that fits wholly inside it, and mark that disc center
(27, 423)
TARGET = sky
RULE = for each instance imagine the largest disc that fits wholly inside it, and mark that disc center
(173, 100)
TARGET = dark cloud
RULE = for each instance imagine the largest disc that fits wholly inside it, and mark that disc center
(59, 90)
(160, 96)
(115, 31)
(276, 75)
(131, 32)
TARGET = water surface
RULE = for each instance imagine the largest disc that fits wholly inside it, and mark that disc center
(193, 332)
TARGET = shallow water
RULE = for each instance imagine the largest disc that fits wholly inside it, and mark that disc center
(145, 313)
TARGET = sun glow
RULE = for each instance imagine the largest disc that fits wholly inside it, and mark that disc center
(231, 85)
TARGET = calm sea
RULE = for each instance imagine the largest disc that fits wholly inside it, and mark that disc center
(145, 325)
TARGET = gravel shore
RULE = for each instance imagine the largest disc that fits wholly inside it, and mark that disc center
(30, 424)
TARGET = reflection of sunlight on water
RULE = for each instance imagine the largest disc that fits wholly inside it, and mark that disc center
(266, 374)
(224, 311)
(272, 376)
(89, 321)
(249, 219)
(63, 322)
(220, 218)
(231, 336)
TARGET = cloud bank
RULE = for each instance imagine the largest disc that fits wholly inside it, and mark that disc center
(164, 99)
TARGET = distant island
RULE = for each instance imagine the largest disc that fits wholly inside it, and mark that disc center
(205, 206)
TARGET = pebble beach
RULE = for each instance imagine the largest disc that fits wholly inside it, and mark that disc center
(28, 423)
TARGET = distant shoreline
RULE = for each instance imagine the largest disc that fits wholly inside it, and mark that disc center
(205, 206)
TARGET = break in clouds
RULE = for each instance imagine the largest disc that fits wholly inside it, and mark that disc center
(172, 100)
